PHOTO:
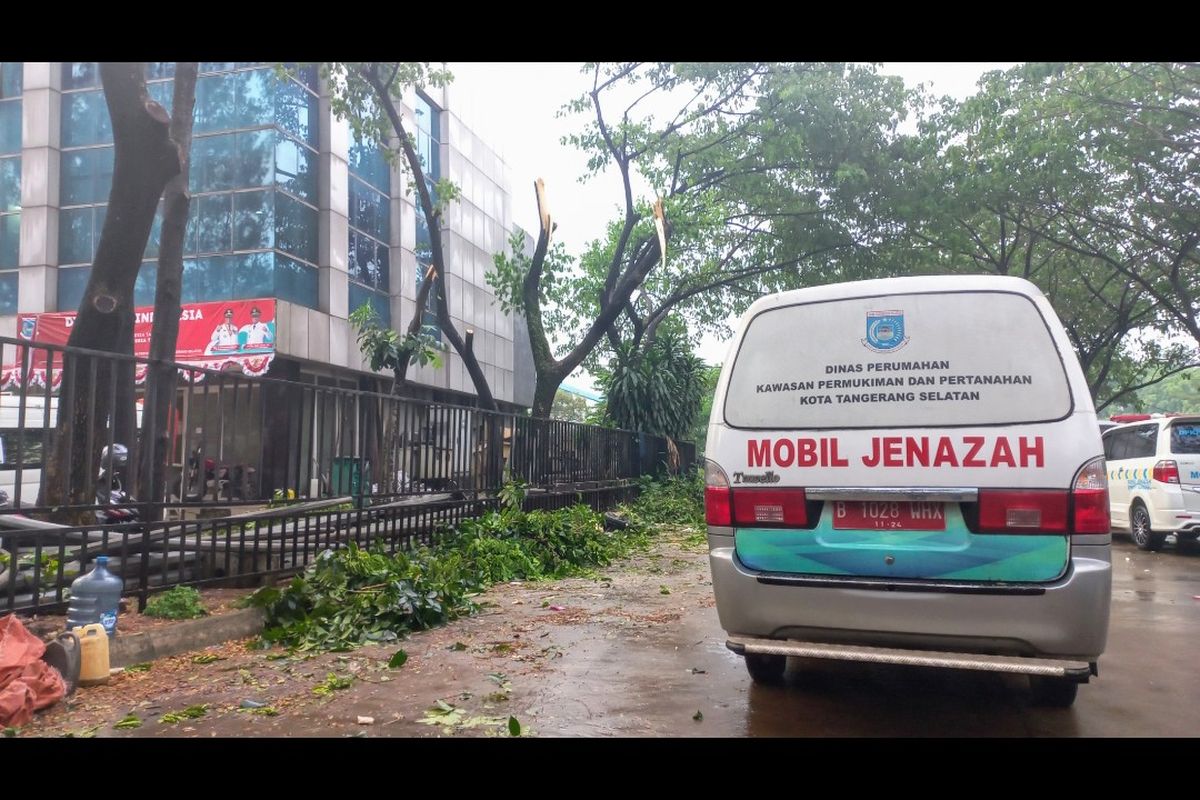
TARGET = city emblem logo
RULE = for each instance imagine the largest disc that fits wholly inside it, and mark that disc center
(885, 331)
(28, 326)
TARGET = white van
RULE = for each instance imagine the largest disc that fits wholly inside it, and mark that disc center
(1154, 479)
(910, 471)
(29, 441)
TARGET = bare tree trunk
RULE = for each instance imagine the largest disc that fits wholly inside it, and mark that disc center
(145, 159)
(163, 377)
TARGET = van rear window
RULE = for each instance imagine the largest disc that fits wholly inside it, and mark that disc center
(1185, 438)
(909, 360)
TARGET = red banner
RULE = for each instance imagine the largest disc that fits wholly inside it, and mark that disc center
(217, 336)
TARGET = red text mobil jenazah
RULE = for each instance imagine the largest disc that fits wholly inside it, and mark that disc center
(900, 451)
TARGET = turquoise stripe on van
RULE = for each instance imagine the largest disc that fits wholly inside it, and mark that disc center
(952, 554)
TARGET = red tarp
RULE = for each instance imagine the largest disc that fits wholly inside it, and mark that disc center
(27, 684)
(211, 336)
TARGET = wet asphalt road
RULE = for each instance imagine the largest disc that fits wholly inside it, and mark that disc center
(1147, 684)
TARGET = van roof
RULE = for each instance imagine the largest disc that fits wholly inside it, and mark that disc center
(1160, 420)
(909, 284)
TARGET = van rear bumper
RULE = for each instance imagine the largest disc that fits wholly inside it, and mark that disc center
(1015, 665)
(1063, 619)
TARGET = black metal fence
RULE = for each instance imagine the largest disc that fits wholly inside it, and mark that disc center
(262, 474)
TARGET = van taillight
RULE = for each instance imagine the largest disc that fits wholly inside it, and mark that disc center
(1023, 511)
(718, 500)
(783, 507)
(1166, 472)
(1090, 496)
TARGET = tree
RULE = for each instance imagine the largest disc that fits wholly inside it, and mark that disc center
(569, 407)
(699, 432)
(1179, 393)
(145, 159)
(1142, 144)
(364, 94)
(162, 376)
(659, 390)
(759, 168)
(984, 187)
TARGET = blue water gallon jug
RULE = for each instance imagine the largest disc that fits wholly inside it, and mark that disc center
(95, 597)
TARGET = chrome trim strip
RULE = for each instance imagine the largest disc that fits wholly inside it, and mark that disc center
(916, 493)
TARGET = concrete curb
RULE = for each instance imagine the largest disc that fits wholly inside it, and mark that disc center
(179, 638)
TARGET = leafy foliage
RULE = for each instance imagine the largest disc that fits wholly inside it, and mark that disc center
(182, 602)
(1071, 176)
(659, 390)
(1179, 393)
(569, 407)
(676, 501)
(387, 349)
(191, 712)
(354, 595)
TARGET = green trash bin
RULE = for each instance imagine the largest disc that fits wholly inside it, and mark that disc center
(348, 475)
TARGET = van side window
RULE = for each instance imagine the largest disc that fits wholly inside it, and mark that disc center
(1185, 438)
(1145, 442)
(1119, 444)
(31, 448)
(1110, 446)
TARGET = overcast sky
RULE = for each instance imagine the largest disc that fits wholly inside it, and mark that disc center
(513, 106)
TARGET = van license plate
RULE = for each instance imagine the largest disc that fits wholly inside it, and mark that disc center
(885, 515)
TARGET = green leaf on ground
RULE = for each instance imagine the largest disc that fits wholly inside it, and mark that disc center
(662, 589)
(143, 667)
(191, 712)
(265, 711)
(129, 722)
(207, 658)
(82, 733)
(514, 727)
(332, 684)
(397, 660)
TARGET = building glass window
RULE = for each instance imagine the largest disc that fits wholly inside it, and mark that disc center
(296, 169)
(86, 176)
(424, 253)
(80, 75)
(10, 184)
(8, 293)
(368, 251)
(253, 177)
(10, 126)
(254, 221)
(85, 119)
(428, 141)
(11, 78)
(10, 239)
(71, 285)
(428, 137)
(296, 228)
(360, 296)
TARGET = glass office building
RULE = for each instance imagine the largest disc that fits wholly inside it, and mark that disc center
(286, 204)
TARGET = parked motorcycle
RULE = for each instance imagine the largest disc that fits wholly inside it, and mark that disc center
(116, 504)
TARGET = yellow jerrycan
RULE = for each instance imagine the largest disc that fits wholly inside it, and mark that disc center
(93, 649)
